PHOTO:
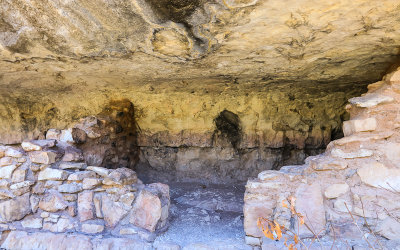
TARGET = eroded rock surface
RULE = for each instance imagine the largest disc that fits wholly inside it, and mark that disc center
(357, 176)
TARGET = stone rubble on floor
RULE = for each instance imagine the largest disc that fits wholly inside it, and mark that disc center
(358, 174)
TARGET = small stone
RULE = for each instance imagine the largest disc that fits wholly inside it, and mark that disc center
(70, 197)
(11, 152)
(121, 176)
(52, 202)
(269, 175)
(15, 209)
(28, 146)
(97, 205)
(53, 134)
(127, 198)
(43, 157)
(127, 231)
(79, 176)
(2, 152)
(70, 188)
(6, 194)
(71, 211)
(4, 183)
(20, 191)
(253, 241)
(357, 154)
(99, 170)
(21, 185)
(72, 165)
(354, 126)
(34, 167)
(146, 211)
(21, 160)
(52, 184)
(340, 206)
(79, 135)
(379, 176)
(45, 214)
(85, 206)
(6, 172)
(32, 223)
(90, 183)
(92, 228)
(34, 203)
(389, 228)
(52, 174)
(6, 161)
(39, 188)
(370, 100)
(19, 175)
(336, 190)
(52, 218)
(72, 154)
(66, 136)
(62, 225)
(323, 163)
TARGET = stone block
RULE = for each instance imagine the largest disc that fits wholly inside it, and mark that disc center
(370, 100)
(112, 211)
(85, 206)
(52, 174)
(90, 228)
(72, 165)
(81, 175)
(5, 161)
(32, 222)
(15, 209)
(12, 152)
(378, 175)
(354, 126)
(336, 190)
(7, 171)
(70, 188)
(43, 157)
(90, 183)
(52, 202)
(146, 211)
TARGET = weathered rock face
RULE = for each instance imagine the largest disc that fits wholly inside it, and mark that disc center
(283, 69)
(357, 177)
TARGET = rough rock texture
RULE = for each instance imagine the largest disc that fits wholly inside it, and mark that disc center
(331, 186)
(69, 197)
(284, 69)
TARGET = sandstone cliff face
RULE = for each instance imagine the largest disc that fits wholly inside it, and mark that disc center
(285, 69)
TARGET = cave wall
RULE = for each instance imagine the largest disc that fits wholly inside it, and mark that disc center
(177, 133)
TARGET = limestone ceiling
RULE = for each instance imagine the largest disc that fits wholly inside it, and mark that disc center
(294, 40)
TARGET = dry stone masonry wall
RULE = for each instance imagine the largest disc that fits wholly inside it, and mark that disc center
(46, 187)
(360, 171)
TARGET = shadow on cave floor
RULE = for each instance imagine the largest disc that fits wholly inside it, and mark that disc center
(205, 214)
